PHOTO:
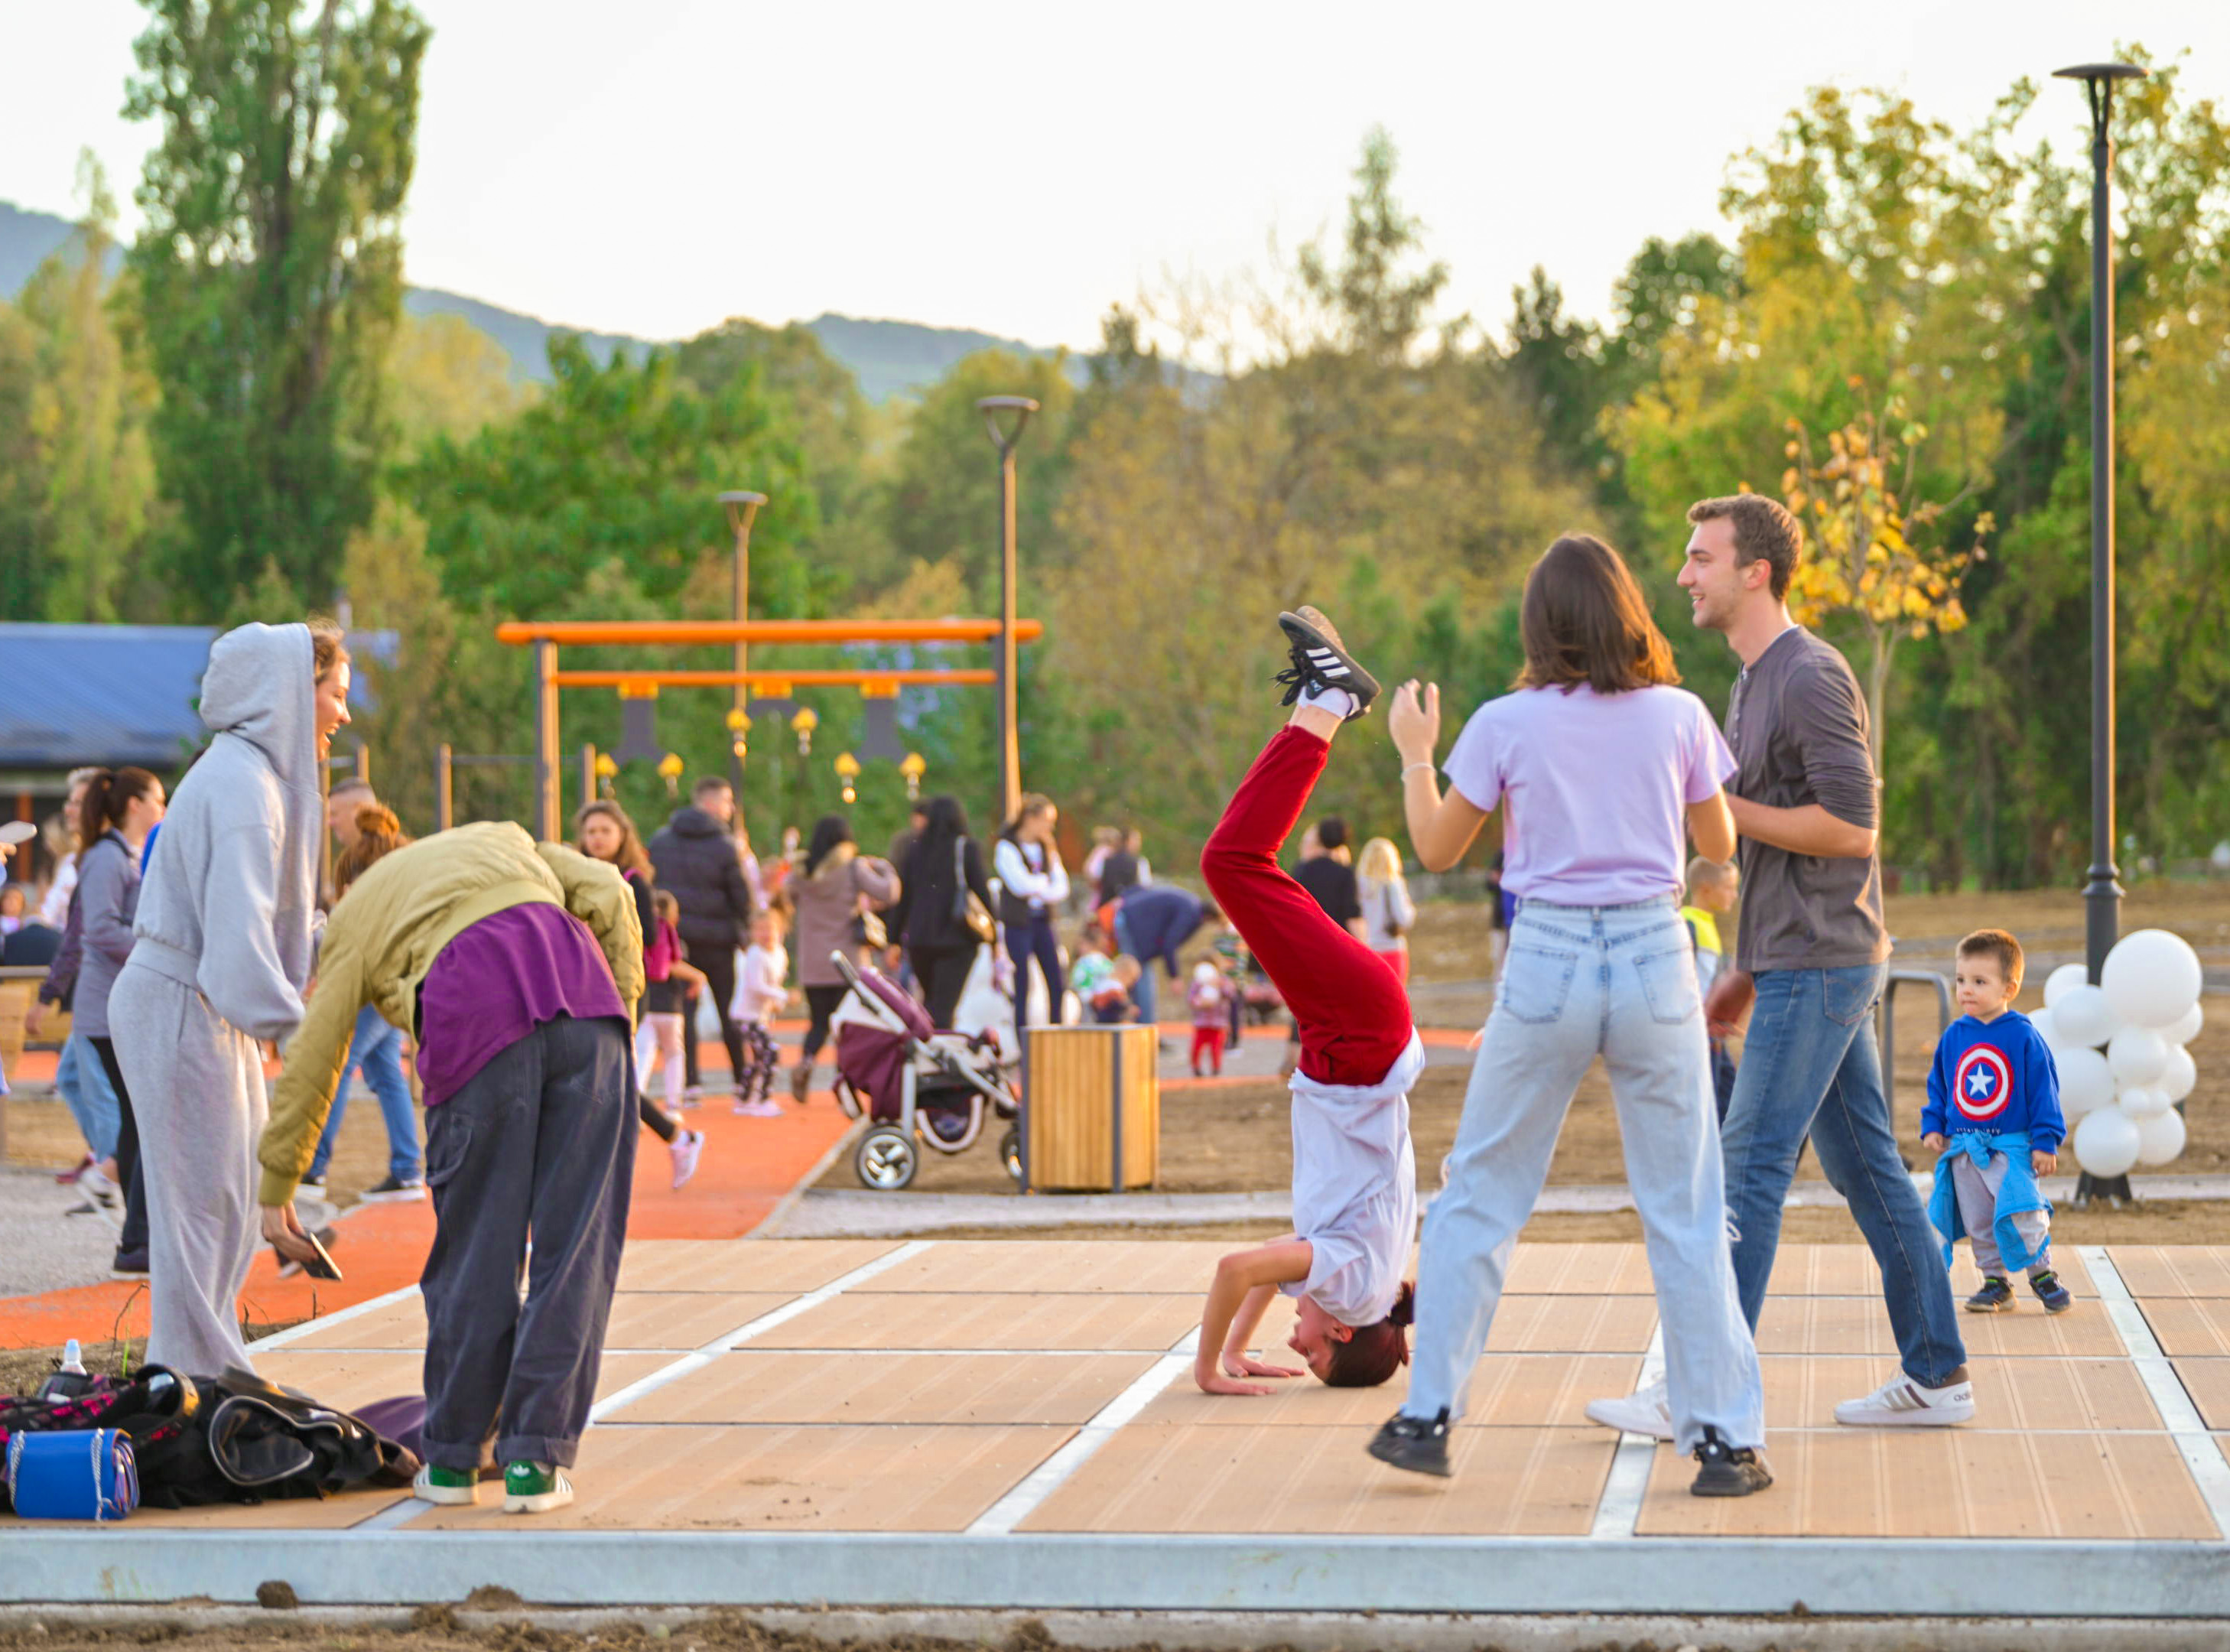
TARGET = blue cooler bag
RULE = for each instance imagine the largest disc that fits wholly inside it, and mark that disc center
(76, 1474)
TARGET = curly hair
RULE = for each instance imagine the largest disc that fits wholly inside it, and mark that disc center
(378, 835)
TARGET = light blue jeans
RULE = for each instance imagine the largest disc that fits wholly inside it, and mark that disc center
(1579, 982)
(1810, 1065)
(377, 1048)
(84, 1084)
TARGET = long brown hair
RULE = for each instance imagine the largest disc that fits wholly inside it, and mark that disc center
(1374, 1352)
(107, 793)
(378, 835)
(1583, 621)
(632, 857)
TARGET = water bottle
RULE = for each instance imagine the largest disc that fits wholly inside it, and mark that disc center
(73, 1360)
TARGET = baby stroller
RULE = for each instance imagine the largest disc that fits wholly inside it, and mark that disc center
(915, 1083)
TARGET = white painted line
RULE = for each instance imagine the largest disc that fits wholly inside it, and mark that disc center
(1620, 1509)
(727, 1339)
(1011, 1511)
(2202, 1453)
(401, 1512)
(339, 1316)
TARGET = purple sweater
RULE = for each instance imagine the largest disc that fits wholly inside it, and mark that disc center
(497, 981)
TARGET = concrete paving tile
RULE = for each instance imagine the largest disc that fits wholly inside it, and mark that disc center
(753, 1387)
(677, 1479)
(901, 1321)
(795, 1265)
(1944, 1483)
(1802, 1391)
(979, 1267)
(1271, 1479)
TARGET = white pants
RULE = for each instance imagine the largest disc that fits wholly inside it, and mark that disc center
(658, 1041)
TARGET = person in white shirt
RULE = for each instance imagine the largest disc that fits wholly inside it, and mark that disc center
(760, 991)
(1033, 884)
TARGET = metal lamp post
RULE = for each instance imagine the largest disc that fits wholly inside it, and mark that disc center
(996, 411)
(2102, 889)
(741, 508)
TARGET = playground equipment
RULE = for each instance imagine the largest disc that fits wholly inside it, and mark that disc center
(547, 637)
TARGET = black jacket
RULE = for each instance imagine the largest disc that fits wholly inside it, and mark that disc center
(695, 860)
(923, 915)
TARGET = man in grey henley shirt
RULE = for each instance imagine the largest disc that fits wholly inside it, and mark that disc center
(1811, 950)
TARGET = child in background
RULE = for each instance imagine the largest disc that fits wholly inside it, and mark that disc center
(669, 976)
(1994, 1114)
(1712, 891)
(760, 992)
(1094, 964)
(1209, 996)
(1111, 1004)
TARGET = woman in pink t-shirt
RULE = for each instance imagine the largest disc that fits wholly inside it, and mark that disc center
(1602, 769)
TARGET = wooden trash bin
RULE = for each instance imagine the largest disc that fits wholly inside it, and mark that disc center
(1077, 1075)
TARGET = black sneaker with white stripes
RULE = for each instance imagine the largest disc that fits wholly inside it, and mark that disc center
(1321, 661)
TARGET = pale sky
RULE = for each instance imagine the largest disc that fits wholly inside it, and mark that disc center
(652, 167)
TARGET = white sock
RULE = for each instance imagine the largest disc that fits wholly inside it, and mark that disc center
(1337, 701)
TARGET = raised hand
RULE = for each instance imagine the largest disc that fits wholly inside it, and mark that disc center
(1414, 721)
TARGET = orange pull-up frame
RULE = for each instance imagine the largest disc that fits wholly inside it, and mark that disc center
(547, 637)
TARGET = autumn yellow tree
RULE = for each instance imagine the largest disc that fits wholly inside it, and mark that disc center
(1872, 555)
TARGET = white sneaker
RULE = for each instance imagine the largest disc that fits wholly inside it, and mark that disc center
(103, 1197)
(687, 1146)
(1644, 1411)
(1901, 1403)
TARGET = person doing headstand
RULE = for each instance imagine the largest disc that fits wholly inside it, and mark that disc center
(1355, 1178)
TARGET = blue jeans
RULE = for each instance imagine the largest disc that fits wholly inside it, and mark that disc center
(377, 1048)
(1036, 942)
(84, 1084)
(1580, 982)
(1143, 994)
(1810, 1064)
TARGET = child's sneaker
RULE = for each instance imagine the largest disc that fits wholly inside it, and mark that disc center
(452, 1485)
(2050, 1291)
(1995, 1296)
(1320, 662)
(1724, 1471)
(1413, 1443)
(694, 1096)
(535, 1488)
(764, 1108)
(687, 1147)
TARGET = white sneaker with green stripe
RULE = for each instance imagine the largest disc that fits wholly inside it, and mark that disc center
(535, 1488)
(437, 1485)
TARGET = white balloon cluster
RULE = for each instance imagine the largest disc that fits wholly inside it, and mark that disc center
(2120, 1047)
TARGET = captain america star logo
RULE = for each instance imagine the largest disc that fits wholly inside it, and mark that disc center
(1983, 1083)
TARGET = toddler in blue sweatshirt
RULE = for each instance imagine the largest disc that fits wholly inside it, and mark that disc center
(1993, 1113)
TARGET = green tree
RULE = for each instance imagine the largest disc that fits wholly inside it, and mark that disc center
(445, 377)
(620, 465)
(269, 270)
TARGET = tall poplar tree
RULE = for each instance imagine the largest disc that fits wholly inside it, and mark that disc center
(270, 276)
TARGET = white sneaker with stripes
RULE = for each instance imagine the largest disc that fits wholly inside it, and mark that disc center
(1901, 1403)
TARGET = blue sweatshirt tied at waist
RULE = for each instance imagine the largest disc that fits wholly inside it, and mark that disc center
(2017, 1194)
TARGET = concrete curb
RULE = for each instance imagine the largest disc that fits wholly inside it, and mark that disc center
(1219, 1631)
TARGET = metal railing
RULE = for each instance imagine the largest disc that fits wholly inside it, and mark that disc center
(1885, 1017)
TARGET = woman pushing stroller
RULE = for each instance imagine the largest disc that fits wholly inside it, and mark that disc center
(1355, 1181)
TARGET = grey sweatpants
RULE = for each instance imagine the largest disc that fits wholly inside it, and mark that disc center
(196, 1084)
(540, 1141)
(1977, 1188)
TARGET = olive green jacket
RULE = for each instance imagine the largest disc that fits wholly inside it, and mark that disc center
(383, 937)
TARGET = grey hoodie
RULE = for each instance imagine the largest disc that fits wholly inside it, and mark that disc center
(231, 893)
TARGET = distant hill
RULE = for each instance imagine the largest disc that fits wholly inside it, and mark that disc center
(888, 357)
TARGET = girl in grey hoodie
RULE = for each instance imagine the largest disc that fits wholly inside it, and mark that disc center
(225, 936)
